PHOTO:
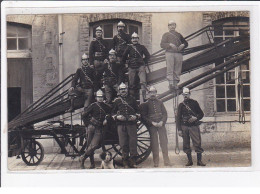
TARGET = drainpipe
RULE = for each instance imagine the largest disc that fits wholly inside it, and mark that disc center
(60, 49)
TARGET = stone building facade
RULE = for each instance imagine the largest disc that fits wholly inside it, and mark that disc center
(58, 41)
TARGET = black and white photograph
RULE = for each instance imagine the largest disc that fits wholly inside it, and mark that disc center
(165, 90)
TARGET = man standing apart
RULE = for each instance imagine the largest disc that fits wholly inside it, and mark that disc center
(138, 57)
(125, 111)
(188, 121)
(98, 52)
(113, 76)
(94, 119)
(121, 40)
(154, 115)
(83, 82)
(174, 43)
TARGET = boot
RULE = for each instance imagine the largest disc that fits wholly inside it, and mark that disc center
(199, 162)
(82, 160)
(189, 163)
(125, 163)
(92, 162)
(71, 109)
(81, 141)
(132, 163)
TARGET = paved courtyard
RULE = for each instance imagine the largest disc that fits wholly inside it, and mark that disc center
(213, 158)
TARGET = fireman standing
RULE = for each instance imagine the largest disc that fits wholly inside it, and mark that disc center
(125, 112)
(98, 52)
(95, 118)
(138, 57)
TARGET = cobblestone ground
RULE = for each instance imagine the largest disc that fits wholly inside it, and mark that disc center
(213, 158)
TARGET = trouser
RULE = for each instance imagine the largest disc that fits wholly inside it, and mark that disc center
(174, 67)
(99, 68)
(94, 138)
(110, 92)
(163, 143)
(88, 94)
(142, 76)
(128, 140)
(193, 133)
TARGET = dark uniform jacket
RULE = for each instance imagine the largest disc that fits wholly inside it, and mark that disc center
(113, 73)
(184, 114)
(125, 109)
(98, 50)
(120, 42)
(135, 53)
(95, 114)
(85, 76)
(153, 111)
(174, 38)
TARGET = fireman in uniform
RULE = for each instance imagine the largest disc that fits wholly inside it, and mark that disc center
(125, 112)
(188, 120)
(98, 52)
(95, 118)
(121, 40)
(113, 76)
(154, 115)
(138, 57)
(83, 82)
(174, 43)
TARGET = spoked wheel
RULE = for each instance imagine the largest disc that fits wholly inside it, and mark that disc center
(33, 153)
(143, 145)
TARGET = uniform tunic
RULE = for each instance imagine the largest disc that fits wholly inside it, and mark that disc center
(153, 110)
(135, 55)
(120, 42)
(174, 38)
(190, 130)
(81, 77)
(98, 50)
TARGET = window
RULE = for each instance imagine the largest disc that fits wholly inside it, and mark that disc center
(18, 37)
(227, 85)
(110, 29)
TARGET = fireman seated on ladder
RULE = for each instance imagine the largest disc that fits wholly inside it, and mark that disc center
(83, 83)
(138, 57)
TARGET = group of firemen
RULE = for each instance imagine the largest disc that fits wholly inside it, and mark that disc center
(105, 70)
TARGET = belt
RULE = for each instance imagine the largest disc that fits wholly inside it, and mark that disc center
(99, 54)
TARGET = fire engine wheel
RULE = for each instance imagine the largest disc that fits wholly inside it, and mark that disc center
(32, 153)
(143, 145)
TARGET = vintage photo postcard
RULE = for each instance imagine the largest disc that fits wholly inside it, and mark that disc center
(147, 90)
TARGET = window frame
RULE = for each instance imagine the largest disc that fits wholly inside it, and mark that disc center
(236, 70)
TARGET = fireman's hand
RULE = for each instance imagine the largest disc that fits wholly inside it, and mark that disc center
(192, 119)
(181, 47)
(106, 61)
(160, 124)
(132, 118)
(180, 133)
(120, 118)
(173, 46)
(154, 124)
(105, 122)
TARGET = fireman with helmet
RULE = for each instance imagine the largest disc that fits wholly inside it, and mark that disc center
(154, 115)
(138, 57)
(125, 113)
(98, 52)
(121, 40)
(95, 119)
(83, 82)
(113, 76)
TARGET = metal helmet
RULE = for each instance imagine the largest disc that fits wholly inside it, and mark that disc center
(99, 29)
(135, 35)
(122, 86)
(171, 22)
(152, 89)
(186, 91)
(99, 93)
(84, 56)
(121, 24)
(112, 52)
